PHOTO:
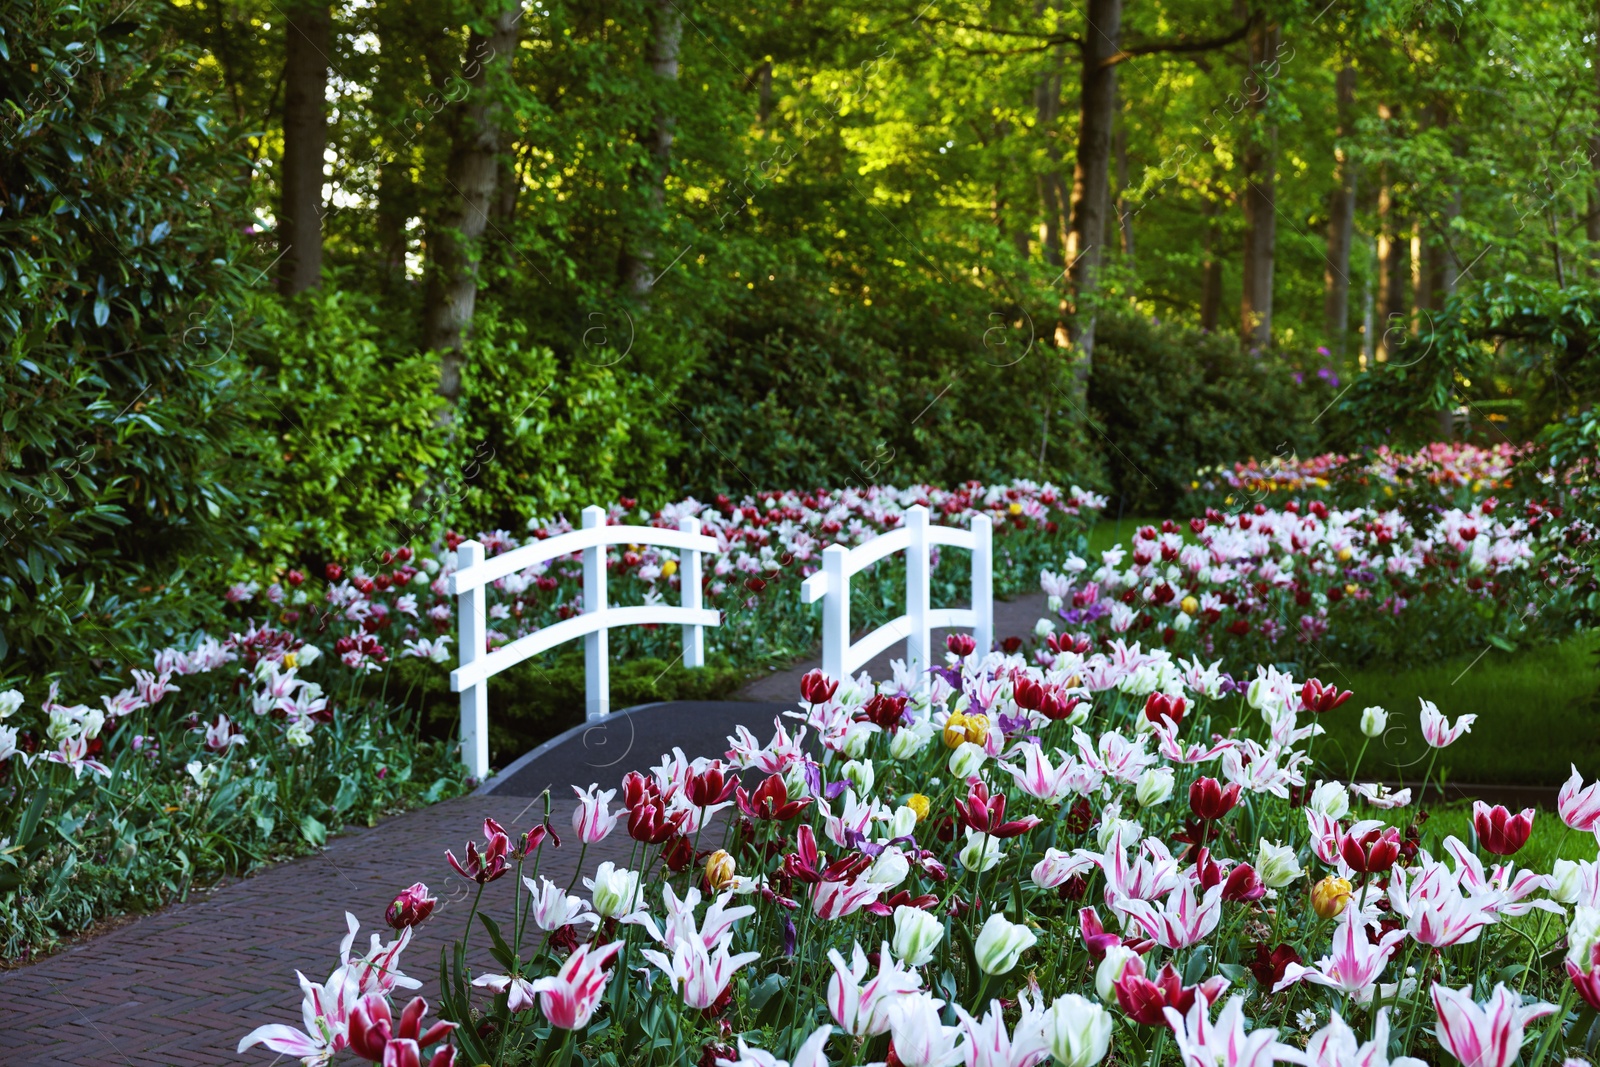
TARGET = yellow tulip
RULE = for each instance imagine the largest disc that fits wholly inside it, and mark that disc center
(977, 728)
(955, 730)
(1189, 605)
(669, 568)
(919, 804)
(720, 870)
(1330, 896)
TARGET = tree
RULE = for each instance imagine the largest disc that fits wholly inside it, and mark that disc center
(307, 41)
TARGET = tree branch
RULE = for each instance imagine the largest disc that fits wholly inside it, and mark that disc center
(1209, 44)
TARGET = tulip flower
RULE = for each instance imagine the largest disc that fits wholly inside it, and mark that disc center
(1001, 943)
(1243, 885)
(1578, 804)
(1180, 922)
(770, 801)
(1038, 778)
(1490, 1035)
(985, 813)
(1373, 721)
(1099, 943)
(1336, 1045)
(488, 865)
(1210, 801)
(916, 936)
(592, 819)
(374, 1035)
(1224, 1043)
(1355, 963)
(835, 900)
(570, 996)
(980, 853)
(1109, 971)
(919, 1037)
(553, 908)
(1278, 864)
(1330, 896)
(885, 712)
(1586, 980)
(1438, 731)
(860, 1006)
(1145, 1001)
(810, 1053)
(1077, 1031)
(1159, 706)
(519, 991)
(1154, 786)
(410, 907)
(1370, 847)
(614, 890)
(1318, 698)
(1434, 908)
(1498, 830)
(817, 688)
(698, 973)
(720, 870)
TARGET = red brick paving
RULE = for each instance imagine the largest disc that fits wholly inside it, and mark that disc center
(182, 986)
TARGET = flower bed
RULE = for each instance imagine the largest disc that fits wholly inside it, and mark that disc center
(1020, 865)
(1311, 581)
(221, 755)
(1445, 472)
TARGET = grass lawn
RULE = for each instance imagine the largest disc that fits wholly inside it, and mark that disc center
(1537, 716)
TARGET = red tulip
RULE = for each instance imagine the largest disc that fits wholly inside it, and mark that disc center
(961, 644)
(986, 813)
(1143, 1000)
(1498, 830)
(1210, 800)
(1373, 851)
(883, 711)
(486, 866)
(295, 577)
(1159, 705)
(411, 907)
(817, 688)
(770, 801)
(1028, 693)
(1243, 885)
(711, 786)
(1056, 705)
(1314, 696)
(375, 1037)
(649, 823)
(1587, 984)
(333, 571)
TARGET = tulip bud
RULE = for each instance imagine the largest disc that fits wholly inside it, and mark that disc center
(1582, 934)
(961, 644)
(955, 730)
(1001, 943)
(856, 739)
(613, 890)
(410, 907)
(1181, 623)
(794, 780)
(916, 936)
(1189, 605)
(1568, 878)
(861, 775)
(965, 761)
(909, 740)
(1110, 970)
(903, 823)
(919, 804)
(1331, 799)
(1373, 720)
(1330, 896)
(720, 870)
(1078, 1031)
(1153, 787)
(1277, 864)
(980, 853)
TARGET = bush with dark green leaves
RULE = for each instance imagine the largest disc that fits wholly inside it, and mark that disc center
(1167, 400)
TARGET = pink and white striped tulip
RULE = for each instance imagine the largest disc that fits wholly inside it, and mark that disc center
(920, 1037)
(519, 991)
(1490, 1035)
(859, 1005)
(1355, 963)
(700, 974)
(570, 996)
(1181, 921)
(553, 908)
(1438, 731)
(1224, 1043)
(1336, 1045)
(1579, 804)
(592, 819)
(810, 1053)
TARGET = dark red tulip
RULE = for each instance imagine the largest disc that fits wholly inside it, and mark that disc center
(649, 823)
(817, 688)
(410, 907)
(1243, 885)
(1210, 800)
(883, 711)
(333, 571)
(770, 801)
(710, 786)
(961, 644)
(485, 866)
(1028, 693)
(1314, 696)
(1373, 852)
(1498, 830)
(986, 813)
(1057, 705)
(1143, 1000)
(1158, 706)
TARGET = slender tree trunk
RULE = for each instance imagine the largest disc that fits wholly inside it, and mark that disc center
(307, 40)
(1210, 266)
(666, 39)
(1259, 165)
(1341, 223)
(454, 244)
(1591, 220)
(1091, 177)
(1368, 307)
(1052, 189)
(1391, 257)
(1124, 215)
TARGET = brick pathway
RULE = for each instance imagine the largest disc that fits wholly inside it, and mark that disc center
(182, 986)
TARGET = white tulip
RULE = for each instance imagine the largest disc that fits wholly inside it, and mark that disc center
(1001, 943)
(1078, 1031)
(916, 936)
(1153, 787)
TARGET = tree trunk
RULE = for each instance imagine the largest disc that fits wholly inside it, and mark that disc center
(472, 175)
(666, 39)
(1052, 190)
(1341, 223)
(1091, 177)
(1259, 165)
(1124, 215)
(1210, 267)
(305, 139)
(1592, 220)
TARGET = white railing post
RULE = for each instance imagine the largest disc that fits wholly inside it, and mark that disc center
(473, 646)
(983, 583)
(694, 637)
(918, 594)
(596, 667)
(835, 612)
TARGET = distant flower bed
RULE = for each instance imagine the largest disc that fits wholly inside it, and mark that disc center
(1266, 585)
(767, 544)
(1123, 858)
(1440, 470)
